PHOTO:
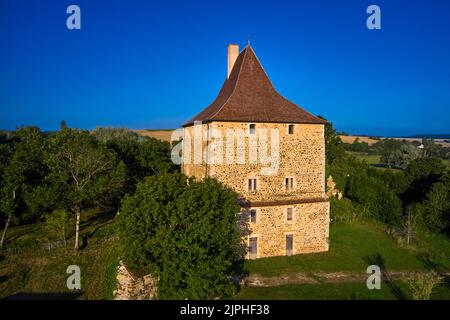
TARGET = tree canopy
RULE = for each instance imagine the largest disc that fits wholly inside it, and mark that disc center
(185, 233)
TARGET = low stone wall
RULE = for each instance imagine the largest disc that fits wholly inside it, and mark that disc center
(132, 287)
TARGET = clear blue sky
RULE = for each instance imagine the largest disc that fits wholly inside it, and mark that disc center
(154, 64)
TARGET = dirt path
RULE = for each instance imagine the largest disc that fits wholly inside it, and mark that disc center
(320, 277)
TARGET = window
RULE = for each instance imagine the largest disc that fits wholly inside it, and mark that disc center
(289, 214)
(290, 129)
(289, 183)
(253, 215)
(252, 128)
(289, 244)
(252, 184)
(253, 248)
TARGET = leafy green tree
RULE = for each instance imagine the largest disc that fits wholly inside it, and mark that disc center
(432, 149)
(434, 212)
(23, 172)
(82, 169)
(374, 198)
(421, 174)
(58, 223)
(185, 233)
(334, 149)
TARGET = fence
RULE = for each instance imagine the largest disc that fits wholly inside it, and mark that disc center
(51, 245)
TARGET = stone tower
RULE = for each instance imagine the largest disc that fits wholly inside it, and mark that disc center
(271, 152)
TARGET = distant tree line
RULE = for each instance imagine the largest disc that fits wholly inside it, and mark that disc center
(399, 153)
(417, 197)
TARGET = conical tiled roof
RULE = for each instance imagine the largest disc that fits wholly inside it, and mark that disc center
(249, 96)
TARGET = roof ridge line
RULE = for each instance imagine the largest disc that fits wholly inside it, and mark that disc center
(234, 89)
(262, 67)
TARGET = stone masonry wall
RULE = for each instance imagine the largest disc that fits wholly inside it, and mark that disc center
(132, 287)
(301, 156)
(309, 227)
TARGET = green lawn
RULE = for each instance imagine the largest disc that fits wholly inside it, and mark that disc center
(355, 246)
(447, 163)
(336, 291)
(352, 248)
(371, 159)
(43, 273)
(30, 235)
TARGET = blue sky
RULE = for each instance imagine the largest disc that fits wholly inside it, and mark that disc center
(154, 64)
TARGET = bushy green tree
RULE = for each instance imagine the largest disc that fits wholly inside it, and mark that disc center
(23, 172)
(434, 212)
(185, 233)
(421, 174)
(83, 170)
(374, 198)
(58, 223)
(334, 149)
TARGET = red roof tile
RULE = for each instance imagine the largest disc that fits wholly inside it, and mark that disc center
(249, 96)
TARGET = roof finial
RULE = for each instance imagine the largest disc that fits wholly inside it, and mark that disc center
(248, 40)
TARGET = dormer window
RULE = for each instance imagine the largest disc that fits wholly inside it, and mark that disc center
(290, 129)
(252, 128)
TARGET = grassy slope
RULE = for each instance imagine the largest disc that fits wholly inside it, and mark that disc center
(44, 272)
(341, 291)
(41, 272)
(352, 248)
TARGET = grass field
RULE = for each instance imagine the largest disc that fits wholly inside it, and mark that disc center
(42, 274)
(337, 291)
(355, 246)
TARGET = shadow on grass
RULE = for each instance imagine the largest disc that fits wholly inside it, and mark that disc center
(429, 260)
(44, 296)
(3, 278)
(377, 259)
(21, 234)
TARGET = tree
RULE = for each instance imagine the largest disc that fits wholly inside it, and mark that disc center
(81, 168)
(185, 233)
(421, 174)
(21, 175)
(63, 124)
(334, 149)
(434, 212)
(58, 223)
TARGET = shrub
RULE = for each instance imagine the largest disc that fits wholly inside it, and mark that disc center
(184, 233)
(422, 284)
(343, 210)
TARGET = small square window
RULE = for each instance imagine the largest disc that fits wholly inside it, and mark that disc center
(252, 128)
(253, 216)
(291, 129)
(252, 184)
(289, 214)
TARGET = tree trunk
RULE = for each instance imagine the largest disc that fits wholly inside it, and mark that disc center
(64, 237)
(4, 232)
(77, 229)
